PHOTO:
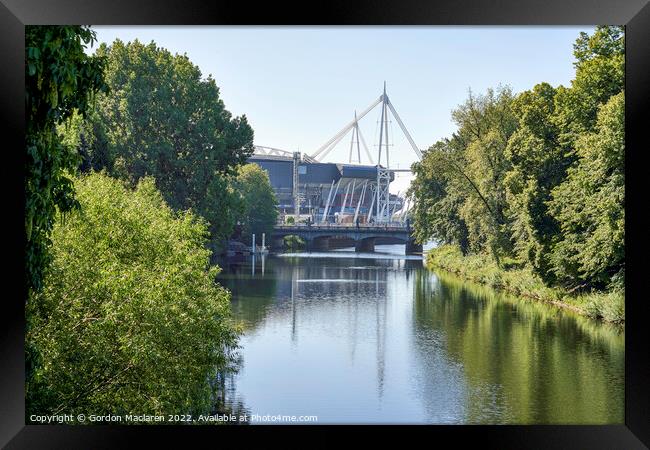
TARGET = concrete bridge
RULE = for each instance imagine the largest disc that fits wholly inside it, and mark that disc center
(363, 237)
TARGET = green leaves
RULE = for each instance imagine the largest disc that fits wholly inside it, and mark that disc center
(539, 176)
(259, 205)
(606, 42)
(459, 189)
(590, 204)
(163, 120)
(59, 77)
(130, 319)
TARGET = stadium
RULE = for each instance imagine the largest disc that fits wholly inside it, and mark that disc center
(322, 192)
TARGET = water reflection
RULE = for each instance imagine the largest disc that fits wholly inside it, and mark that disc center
(523, 362)
(378, 339)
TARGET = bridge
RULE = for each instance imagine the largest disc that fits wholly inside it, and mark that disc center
(363, 237)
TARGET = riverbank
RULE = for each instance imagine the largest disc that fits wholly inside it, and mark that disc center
(608, 306)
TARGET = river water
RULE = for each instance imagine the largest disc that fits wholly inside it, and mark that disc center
(377, 338)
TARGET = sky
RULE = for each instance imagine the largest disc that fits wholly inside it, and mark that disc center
(299, 86)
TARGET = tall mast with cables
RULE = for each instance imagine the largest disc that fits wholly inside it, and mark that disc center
(383, 173)
(380, 206)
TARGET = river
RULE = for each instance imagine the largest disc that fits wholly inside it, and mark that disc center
(377, 338)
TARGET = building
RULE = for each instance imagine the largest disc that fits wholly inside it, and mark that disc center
(327, 192)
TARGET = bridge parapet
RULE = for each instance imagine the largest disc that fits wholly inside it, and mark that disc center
(365, 227)
(364, 236)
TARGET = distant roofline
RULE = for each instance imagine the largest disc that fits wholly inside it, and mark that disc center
(288, 159)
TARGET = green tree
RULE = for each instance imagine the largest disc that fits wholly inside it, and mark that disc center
(436, 210)
(551, 123)
(59, 80)
(259, 211)
(538, 163)
(130, 319)
(539, 176)
(164, 120)
(600, 74)
(590, 205)
(462, 192)
(486, 122)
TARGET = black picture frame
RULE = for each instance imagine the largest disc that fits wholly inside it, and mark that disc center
(634, 14)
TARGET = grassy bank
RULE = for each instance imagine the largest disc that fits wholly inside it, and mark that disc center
(608, 306)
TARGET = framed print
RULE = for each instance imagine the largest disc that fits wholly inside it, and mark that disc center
(368, 218)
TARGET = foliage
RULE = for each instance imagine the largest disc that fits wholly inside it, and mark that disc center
(608, 306)
(537, 178)
(483, 269)
(259, 211)
(294, 242)
(59, 79)
(164, 120)
(538, 164)
(129, 319)
(437, 211)
(459, 189)
(600, 74)
(551, 126)
(590, 204)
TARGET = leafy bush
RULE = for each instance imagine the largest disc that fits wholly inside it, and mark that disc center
(130, 319)
(608, 306)
(294, 242)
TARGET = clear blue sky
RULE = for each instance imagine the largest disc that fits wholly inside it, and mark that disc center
(298, 86)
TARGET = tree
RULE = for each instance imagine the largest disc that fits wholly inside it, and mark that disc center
(436, 209)
(538, 163)
(259, 211)
(59, 80)
(486, 122)
(590, 205)
(164, 120)
(600, 74)
(130, 319)
(538, 176)
(462, 193)
(551, 123)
